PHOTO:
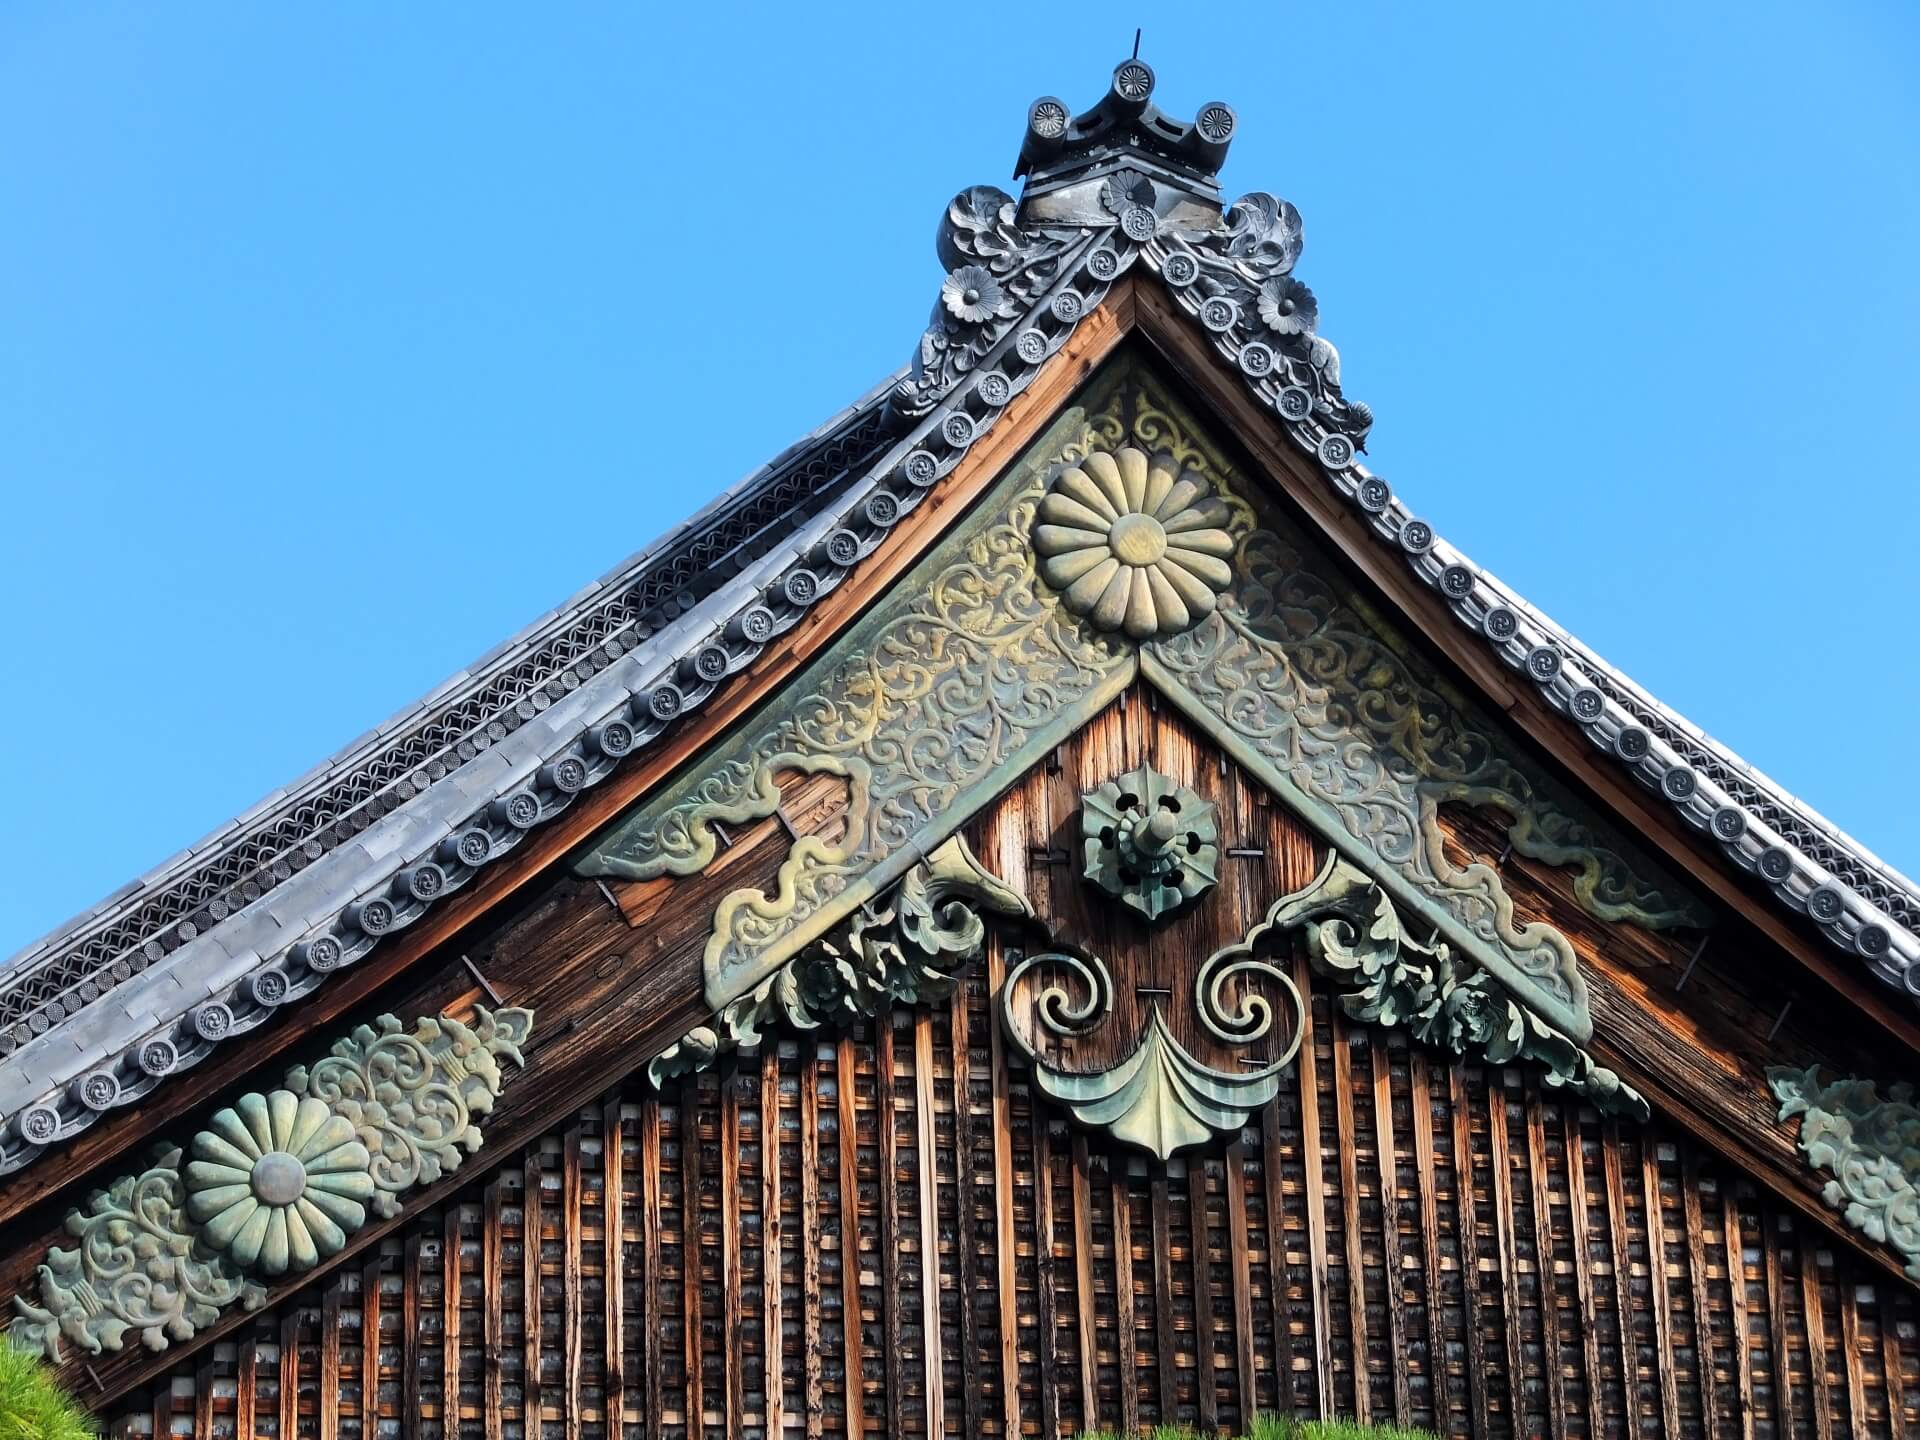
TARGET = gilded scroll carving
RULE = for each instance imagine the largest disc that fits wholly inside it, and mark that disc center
(277, 1182)
(1870, 1145)
(1158, 1096)
(976, 664)
(1355, 938)
(959, 680)
(1297, 678)
(907, 948)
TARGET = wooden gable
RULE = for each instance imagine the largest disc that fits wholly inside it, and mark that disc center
(1568, 1208)
(1061, 904)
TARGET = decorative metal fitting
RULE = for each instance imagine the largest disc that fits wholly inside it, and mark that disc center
(1150, 843)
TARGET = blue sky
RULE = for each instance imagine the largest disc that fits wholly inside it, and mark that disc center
(338, 342)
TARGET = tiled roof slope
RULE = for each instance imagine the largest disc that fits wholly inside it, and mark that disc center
(265, 909)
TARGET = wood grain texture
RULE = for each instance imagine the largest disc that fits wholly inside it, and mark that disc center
(1150, 1326)
(1397, 1231)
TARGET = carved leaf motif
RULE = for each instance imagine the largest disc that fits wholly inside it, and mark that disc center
(1160, 1098)
(138, 1267)
(907, 948)
(412, 1098)
(1354, 937)
(147, 1262)
(1869, 1144)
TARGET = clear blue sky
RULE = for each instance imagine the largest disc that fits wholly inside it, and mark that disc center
(339, 341)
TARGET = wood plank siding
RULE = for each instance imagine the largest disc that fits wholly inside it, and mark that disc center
(887, 1232)
(1141, 1292)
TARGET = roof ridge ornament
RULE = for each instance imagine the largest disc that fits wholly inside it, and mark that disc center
(1082, 169)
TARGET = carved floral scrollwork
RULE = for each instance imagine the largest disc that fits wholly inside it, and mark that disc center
(951, 685)
(1313, 692)
(136, 1269)
(972, 668)
(907, 948)
(412, 1096)
(1354, 937)
(1868, 1143)
(277, 1182)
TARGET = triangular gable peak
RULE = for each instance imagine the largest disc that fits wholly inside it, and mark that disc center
(1121, 465)
(1026, 621)
(1023, 277)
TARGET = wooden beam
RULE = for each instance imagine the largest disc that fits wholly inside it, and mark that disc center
(530, 1299)
(1242, 1283)
(1544, 1268)
(450, 1319)
(369, 1355)
(1127, 1340)
(572, 1198)
(412, 1400)
(1200, 1231)
(1692, 1217)
(613, 1262)
(1350, 1210)
(492, 1312)
(1086, 1319)
(1736, 1250)
(1573, 1139)
(1318, 1268)
(926, 1150)
(1387, 1166)
(852, 1311)
(1166, 1347)
(733, 1319)
(653, 1319)
(886, 1120)
(1468, 1240)
(772, 1304)
(1501, 1156)
(1420, 1084)
(1048, 1283)
(810, 1285)
(1277, 1282)
(329, 1407)
(1622, 1271)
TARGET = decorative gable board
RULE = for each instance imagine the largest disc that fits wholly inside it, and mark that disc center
(1201, 945)
(1559, 1273)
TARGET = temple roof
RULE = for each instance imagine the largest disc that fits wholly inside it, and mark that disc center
(262, 912)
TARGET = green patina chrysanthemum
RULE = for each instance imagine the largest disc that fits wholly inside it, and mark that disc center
(278, 1182)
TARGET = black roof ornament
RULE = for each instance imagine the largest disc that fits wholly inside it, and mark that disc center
(1171, 165)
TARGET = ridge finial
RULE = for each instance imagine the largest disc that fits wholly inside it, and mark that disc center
(1124, 149)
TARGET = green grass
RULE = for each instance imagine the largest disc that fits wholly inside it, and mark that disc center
(32, 1406)
(1272, 1427)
